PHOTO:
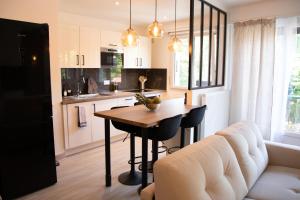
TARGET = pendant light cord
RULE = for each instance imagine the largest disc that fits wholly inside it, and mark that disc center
(175, 16)
(155, 10)
(130, 15)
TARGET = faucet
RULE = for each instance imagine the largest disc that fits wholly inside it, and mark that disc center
(78, 92)
(142, 80)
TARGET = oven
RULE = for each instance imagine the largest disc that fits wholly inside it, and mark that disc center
(112, 57)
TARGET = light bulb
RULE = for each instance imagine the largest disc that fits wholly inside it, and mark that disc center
(155, 30)
(129, 38)
(175, 44)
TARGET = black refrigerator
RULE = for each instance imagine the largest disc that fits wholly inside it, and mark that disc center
(27, 158)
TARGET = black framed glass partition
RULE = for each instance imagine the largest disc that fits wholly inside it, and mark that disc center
(207, 45)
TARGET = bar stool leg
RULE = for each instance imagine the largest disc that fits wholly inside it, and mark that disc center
(154, 151)
(182, 137)
(132, 177)
(195, 134)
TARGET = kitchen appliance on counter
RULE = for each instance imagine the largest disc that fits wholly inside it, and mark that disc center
(112, 58)
(26, 139)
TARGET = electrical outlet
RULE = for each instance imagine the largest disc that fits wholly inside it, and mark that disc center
(106, 82)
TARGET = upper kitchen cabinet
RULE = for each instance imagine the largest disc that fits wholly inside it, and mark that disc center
(140, 56)
(79, 46)
(111, 39)
(68, 46)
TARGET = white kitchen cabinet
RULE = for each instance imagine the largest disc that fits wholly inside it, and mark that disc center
(90, 47)
(111, 39)
(140, 56)
(68, 46)
(94, 131)
(78, 136)
(79, 46)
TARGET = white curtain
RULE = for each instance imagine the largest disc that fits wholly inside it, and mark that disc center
(285, 57)
(253, 68)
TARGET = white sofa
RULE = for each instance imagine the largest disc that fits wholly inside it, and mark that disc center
(234, 164)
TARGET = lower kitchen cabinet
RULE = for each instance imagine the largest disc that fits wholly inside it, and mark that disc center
(78, 136)
(94, 130)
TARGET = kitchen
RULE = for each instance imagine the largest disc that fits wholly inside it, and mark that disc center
(86, 76)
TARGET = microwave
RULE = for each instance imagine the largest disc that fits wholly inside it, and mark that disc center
(112, 57)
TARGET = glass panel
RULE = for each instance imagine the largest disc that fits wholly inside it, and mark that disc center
(197, 44)
(205, 50)
(181, 64)
(221, 49)
(213, 65)
(293, 103)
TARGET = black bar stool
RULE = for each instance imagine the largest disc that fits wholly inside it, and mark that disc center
(192, 120)
(131, 177)
(166, 129)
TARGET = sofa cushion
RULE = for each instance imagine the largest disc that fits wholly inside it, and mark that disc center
(248, 145)
(277, 183)
(205, 170)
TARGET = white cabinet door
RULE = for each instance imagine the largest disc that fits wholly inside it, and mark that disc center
(140, 56)
(144, 53)
(68, 46)
(90, 47)
(131, 57)
(110, 39)
(79, 135)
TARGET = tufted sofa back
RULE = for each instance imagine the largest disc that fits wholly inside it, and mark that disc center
(206, 170)
(246, 140)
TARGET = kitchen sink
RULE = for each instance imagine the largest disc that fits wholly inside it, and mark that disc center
(138, 90)
(84, 96)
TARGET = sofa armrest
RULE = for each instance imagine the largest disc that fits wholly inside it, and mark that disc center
(148, 192)
(283, 154)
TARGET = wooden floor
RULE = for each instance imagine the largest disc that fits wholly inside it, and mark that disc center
(82, 176)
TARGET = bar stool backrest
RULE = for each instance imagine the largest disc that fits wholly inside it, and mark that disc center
(121, 126)
(166, 129)
(194, 117)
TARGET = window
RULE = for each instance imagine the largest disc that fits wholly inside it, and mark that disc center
(293, 103)
(181, 65)
(208, 31)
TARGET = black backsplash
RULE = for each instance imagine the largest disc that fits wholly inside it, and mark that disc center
(70, 77)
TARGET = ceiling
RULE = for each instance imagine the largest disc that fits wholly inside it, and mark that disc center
(142, 10)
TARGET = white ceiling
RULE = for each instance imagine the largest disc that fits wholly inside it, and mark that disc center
(142, 10)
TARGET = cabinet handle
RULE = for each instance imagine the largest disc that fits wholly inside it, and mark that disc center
(141, 62)
(77, 59)
(94, 107)
(137, 62)
(82, 59)
(113, 45)
(129, 99)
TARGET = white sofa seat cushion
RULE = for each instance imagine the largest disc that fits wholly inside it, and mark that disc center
(277, 183)
(206, 170)
(246, 140)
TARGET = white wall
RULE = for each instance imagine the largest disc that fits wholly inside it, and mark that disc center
(102, 24)
(265, 9)
(42, 12)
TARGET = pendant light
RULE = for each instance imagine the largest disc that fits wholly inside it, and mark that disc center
(175, 43)
(155, 30)
(129, 36)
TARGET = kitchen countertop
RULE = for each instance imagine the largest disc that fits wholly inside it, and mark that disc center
(163, 94)
(112, 95)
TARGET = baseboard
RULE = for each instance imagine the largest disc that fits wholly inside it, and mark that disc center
(80, 149)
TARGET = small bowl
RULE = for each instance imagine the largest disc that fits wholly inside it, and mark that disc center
(152, 106)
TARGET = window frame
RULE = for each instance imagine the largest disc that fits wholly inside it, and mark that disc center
(191, 46)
